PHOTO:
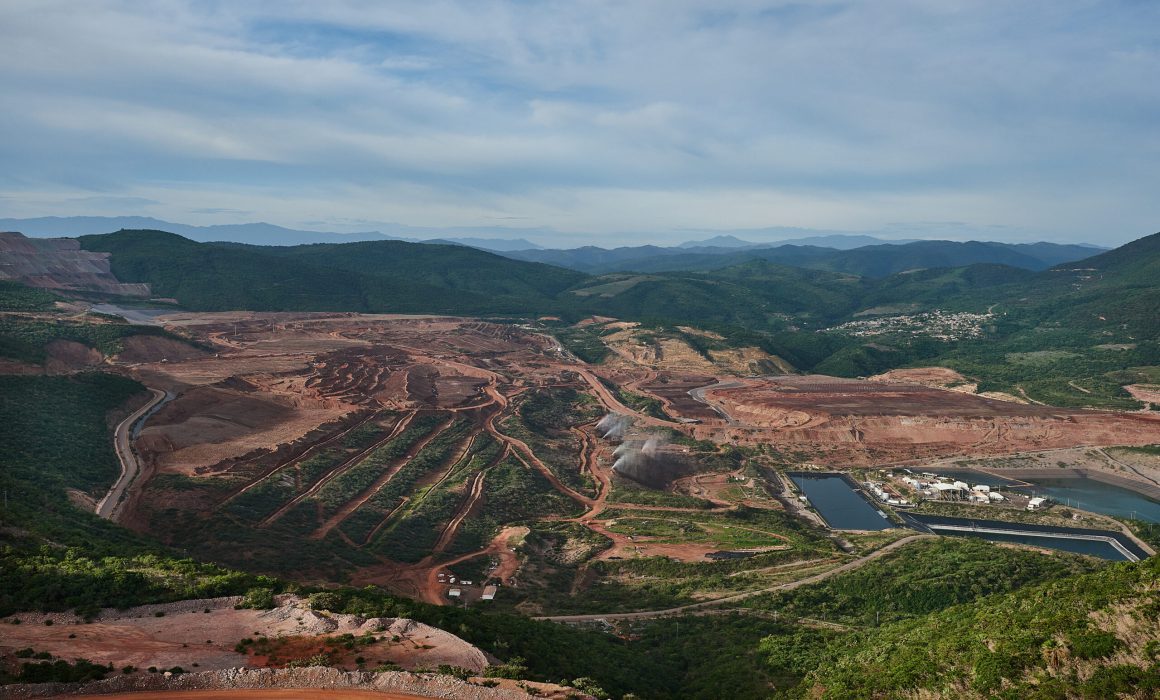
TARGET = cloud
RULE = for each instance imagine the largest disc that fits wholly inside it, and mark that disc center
(601, 117)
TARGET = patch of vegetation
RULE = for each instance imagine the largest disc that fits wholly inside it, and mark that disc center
(58, 671)
(628, 491)
(25, 339)
(513, 493)
(638, 402)
(18, 297)
(374, 276)
(584, 342)
(920, 578)
(543, 420)
(360, 477)
(57, 435)
(52, 579)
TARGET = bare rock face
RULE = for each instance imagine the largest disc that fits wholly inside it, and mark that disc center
(59, 263)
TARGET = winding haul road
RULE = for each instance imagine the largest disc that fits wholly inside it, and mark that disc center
(123, 444)
(647, 614)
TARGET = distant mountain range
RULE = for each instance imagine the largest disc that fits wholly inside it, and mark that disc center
(838, 241)
(879, 259)
(876, 256)
(259, 233)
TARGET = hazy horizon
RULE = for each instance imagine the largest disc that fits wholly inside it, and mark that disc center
(56, 226)
(602, 124)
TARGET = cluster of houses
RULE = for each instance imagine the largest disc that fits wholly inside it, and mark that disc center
(936, 324)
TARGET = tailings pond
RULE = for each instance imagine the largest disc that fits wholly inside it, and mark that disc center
(835, 499)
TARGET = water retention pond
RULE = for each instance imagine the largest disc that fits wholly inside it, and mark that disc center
(1105, 544)
(841, 503)
(837, 499)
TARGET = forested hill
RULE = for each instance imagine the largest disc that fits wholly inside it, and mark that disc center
(370, 276)
(417, 277)
(1116, 293)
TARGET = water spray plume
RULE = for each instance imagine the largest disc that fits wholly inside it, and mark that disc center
(613, 426)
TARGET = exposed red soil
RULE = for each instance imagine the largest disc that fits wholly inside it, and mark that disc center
(16, 367)
(673, 391)
(187, 636)
(1148, 393)
(846, 421)
(155, 348)
(287, 694)
(927, 376)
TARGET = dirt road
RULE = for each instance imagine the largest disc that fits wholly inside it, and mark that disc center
(647, 614)
(698, 394)
(613, 404)
(130, 466)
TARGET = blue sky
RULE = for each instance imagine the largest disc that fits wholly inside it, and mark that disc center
(604, 122)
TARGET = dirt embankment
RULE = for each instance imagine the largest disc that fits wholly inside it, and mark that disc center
(59, 263)
(278, 684)
(1148, 393)
(155, 348)
(203, 634)
(926, 376)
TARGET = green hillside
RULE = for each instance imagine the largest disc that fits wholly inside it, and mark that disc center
(450, 267)
(368, 277)
(1089, 636)
(755, 295)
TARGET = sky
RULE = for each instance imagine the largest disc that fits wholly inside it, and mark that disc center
(590, 122)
